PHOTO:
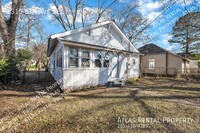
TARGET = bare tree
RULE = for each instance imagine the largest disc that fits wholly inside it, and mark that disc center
(8, 27)
(40, 46)
(68, 12)
(103, 6)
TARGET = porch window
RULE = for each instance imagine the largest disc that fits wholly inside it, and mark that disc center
(151, 63)
(134, 62)
(85, 58)
(73, 57)
(54, 60)
(59, 58)
(106, 59)
(97, 61)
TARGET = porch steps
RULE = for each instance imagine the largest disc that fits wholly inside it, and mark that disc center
(115, 83)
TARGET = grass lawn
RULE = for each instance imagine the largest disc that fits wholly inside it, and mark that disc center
(159, 105)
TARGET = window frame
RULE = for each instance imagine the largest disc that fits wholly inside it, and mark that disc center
(59, 58)
(69, 57)
(84, 58)
(98, 59)
(152, 64)
(106, 59)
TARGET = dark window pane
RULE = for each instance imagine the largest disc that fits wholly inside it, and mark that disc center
(59, 58)
(97, 63)
(85, 58)
(106, 63)
(85, 62)
(85, 54)
(73, 52)
(73, 57)
(73, 62)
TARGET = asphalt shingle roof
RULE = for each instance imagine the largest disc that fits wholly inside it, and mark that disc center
(151, 49)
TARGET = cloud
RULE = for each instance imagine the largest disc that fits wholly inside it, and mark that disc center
(165, 38)
(153, 15)
(150, 9)
(184, 2)
(33, 10)
(124, 1)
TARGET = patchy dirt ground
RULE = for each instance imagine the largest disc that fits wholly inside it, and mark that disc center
(159, 105)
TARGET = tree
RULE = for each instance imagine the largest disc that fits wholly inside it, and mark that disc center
(68, 12)
(23, 57)
(186, 32)
(8, 27)
(128, 19)
(39, 48)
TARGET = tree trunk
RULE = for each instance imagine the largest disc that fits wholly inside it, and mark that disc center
(8, 28)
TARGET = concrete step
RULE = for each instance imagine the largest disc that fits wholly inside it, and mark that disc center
(115, 83)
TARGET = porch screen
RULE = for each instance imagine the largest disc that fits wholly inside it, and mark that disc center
(59, 58)
(73, 57)
(85, 58)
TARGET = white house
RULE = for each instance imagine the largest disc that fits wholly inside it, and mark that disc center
(92, 55)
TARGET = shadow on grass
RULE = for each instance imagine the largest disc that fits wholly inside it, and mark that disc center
(75, 120)
(18, 95)
(165, 88)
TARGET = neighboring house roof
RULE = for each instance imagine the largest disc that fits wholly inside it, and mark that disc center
(54, 39)
(151, 49)
(154, 49)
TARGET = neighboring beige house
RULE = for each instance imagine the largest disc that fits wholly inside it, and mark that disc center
(156, 60)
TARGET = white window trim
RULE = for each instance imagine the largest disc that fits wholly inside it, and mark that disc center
(154, 64)
(88, 58)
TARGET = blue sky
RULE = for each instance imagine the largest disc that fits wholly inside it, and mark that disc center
(150, 9)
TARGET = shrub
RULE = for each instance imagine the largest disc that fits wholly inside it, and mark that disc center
(8, 71)
(23, 57)
(3, 67)
(132, 81)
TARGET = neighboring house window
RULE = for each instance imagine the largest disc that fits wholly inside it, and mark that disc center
(59, 58)
(97, 61)
(151, 63)
(73, 57)
(85, 58)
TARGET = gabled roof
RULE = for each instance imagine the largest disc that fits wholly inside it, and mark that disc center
(154, 49)
(151, 49)
(53, 38)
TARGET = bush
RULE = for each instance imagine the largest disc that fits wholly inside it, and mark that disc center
(8, 71)
(23, 57)
(132, 81)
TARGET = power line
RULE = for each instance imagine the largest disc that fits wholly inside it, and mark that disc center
(162, 12)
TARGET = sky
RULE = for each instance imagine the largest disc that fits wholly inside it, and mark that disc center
(160, 29)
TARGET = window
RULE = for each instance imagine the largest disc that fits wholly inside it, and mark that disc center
(85, 58)
(59, 58)
(151, 63)
(97, 61)
(73, 57)
(134, 62)
(106, 59)
(54, 60)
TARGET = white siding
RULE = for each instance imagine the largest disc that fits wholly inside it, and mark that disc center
(102, 36)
